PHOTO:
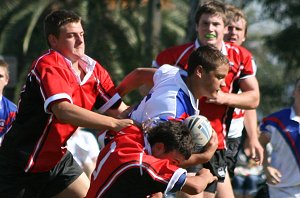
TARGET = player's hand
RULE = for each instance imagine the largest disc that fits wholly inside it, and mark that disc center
(212, 145)
(256, 151)
(273, 175)
(121, 123)
(220, 98)
(126, 112)
(207, 175)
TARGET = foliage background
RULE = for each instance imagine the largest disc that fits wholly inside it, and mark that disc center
(123, 35)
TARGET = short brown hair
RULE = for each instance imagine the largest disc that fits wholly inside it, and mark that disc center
(208, 57)
(56, 19)
(175, 135)
(234, 13)
(213, 8)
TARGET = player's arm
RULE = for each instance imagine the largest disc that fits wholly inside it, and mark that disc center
(135, 79)
(72, 114)
(248, 99)
(120, 112)
(257, 151)
(196, 184)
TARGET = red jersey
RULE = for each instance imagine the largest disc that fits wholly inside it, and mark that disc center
(241, 66)
(37, 140)
(126, 168)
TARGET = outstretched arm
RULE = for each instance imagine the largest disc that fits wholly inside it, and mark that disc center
(72, 114)
(135, 79)
(248, 99)
(256, 150)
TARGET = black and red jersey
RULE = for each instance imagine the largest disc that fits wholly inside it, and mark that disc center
(37, 140)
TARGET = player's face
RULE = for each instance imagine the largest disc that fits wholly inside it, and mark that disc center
(70, 41)
(174, 157)
(211, 29)
(3, 79)
(211, 81)
(236, 32)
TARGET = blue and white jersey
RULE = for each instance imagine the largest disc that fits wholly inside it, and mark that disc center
(169, 98)
(283, 129)
(7, 115)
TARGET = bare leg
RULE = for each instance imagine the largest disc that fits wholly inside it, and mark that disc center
(77, 189)
(224, 190)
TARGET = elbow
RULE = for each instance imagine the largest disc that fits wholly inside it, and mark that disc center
(195, 190)
(255, 103)
(60, 111)
(61, 118)
(206, 158)
(252, 102)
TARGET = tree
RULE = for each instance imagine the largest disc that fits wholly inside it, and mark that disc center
(284, 43)
(115, 31)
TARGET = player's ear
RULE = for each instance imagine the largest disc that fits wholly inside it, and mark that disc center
(158, 149)
(199, 71)
(52, 40)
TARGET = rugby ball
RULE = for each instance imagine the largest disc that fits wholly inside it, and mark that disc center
(201, 130)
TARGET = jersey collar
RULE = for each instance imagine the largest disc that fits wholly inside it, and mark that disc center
(223, 48)
(86, 63)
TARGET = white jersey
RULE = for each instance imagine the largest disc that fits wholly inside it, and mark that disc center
(169, 98)
(283, 129)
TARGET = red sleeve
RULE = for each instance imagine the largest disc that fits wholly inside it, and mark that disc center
(107, 93)
(54, 76)
(248, 62)
(177, 55)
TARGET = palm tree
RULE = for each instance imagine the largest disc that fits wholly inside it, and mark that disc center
(121, 35)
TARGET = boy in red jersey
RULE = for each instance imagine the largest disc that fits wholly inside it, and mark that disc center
(138, 164)
(211, 26)
(62, 88)
(237, 34)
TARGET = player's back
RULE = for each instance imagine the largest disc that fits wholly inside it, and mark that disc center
(169, 97)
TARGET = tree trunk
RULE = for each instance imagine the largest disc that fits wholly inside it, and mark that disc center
(152, 30)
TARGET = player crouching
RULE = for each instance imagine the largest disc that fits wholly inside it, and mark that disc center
(138, 164)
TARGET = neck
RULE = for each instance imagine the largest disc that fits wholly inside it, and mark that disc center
(188, 81)
(296, 109)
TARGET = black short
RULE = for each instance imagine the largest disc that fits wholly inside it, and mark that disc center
(217, 166)
(233, 146)
(15, 183)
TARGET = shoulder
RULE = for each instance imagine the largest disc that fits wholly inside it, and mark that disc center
(178, 48)
(277, 117)
(12, 106)
(281, 113)
(236, 49)
(166, 68)
(49, 59)
(165, 72)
